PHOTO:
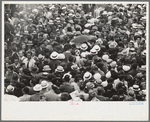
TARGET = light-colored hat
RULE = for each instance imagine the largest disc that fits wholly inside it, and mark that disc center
(44, 84)
(54, 55)
(61, 56)
(113, 64)
(84, 46)
(59, 69)
(112, 45)
(143, 68)
(86, 31)
(37, 87)
(104, 83)
(99, 41)
(46, 68)
(104, 13)
(40, 56)
(109, 60)
(97, 47)
(144, 52)
(70, 76)
(87, 75)
(90, 85)
(75, 67)
(136, 88)
(126, 68)
(105, 57)
(97, 77)
(93, 51)
(10, 88)
(108, 74)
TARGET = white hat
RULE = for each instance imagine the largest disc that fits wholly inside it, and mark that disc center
(87, 76)
(144, 52)
(109, 60)
(93, 51)
(40, 56)
(104, 13)
(136, 88)
(97, 77)
(97, 47)
(61, 56)
(108, 74)
(105, 57)
(83, 46)
(86, 31)
(126, 68)
(44, 84)
(46, 68)
(37, 87)
(75, 67)
(54, 55)
(10, 88)
(113, 64)
(59, 69)
(35, 10)
(104, 83)
(99, 40)
(70, 76)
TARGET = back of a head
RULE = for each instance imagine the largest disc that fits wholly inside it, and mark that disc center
(100, 90)
(25, 90)
(134, 65)
(64, 96)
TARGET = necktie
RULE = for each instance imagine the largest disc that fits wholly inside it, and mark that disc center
(28, 64)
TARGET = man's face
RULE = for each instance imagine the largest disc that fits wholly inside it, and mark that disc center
(29, 55)
(9, 71)
(16, 61)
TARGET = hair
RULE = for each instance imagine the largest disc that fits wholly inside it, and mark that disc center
(25, 90)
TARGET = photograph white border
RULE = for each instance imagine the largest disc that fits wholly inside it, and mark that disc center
(89, 111)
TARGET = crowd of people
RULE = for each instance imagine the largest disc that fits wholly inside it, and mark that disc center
(63, 52)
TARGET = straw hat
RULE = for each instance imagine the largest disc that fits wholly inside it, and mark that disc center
(44, 84)
(84, 46)
(87, 76)
(46, 68)
(37, 87)
(54, 55)
(59, 69)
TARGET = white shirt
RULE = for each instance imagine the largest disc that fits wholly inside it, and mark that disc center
(31, 63)
(11, 98)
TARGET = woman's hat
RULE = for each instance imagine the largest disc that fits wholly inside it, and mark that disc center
(87, 76)
(61, 56)
(78, 15)
(44, 84)
(46, 68)
(59, 69)
(84, 46)
(97, 77)
(54, 55)
(37, 87)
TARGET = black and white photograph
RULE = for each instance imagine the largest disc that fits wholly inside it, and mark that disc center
(75, 53)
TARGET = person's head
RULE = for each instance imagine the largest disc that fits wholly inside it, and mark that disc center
(25, 90)
(130, 44)
(16, 60)
(21, 53)
(10, 69)
(115, 98)
(100, 91)
(34, 81)
(134, 65)
(64, 96)
(29, 54)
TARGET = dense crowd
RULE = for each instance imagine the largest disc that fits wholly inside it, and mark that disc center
(61, 52)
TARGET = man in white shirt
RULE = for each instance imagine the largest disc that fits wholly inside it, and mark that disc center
(29, 62)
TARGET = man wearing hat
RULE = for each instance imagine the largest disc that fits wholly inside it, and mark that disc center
(37, 96)
(8, 96)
